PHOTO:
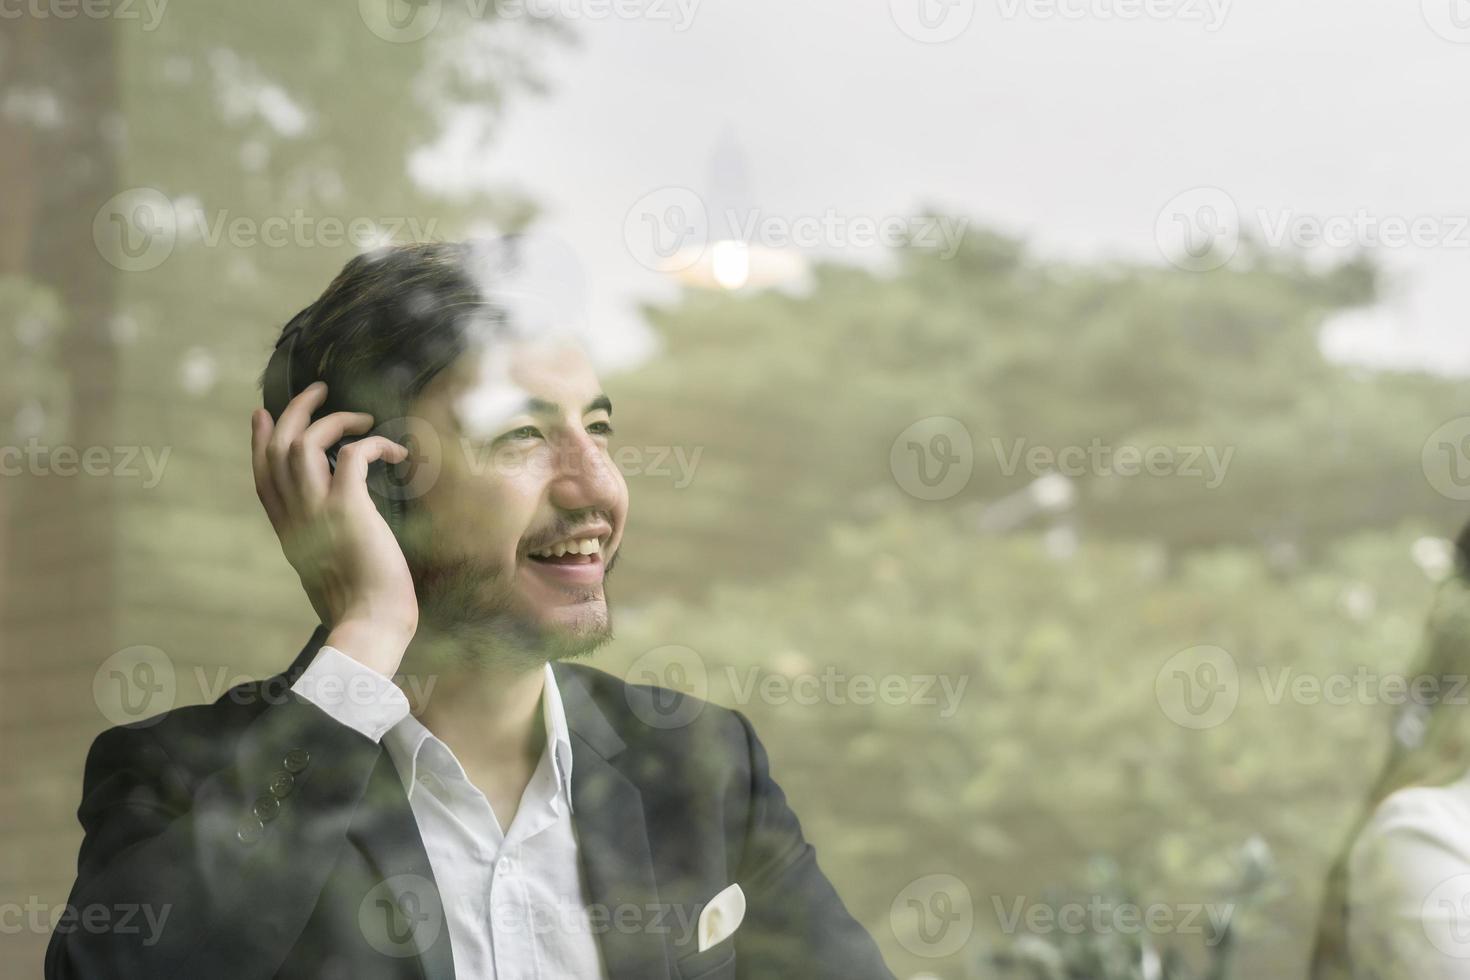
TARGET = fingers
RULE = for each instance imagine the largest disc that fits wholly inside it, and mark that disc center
(288, 430)
(265, 485)
(292, 475)
(307, 455)
(354, 459)
(297, 414)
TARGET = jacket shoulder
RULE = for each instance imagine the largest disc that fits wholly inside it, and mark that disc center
(656, 719)
(184, 733)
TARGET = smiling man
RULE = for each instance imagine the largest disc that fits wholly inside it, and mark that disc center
(435, 462)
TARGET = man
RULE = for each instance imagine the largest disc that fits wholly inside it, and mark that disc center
(531, 816)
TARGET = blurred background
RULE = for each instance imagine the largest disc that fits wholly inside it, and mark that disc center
(1043, 417)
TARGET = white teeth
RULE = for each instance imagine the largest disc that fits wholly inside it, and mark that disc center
(585, 546)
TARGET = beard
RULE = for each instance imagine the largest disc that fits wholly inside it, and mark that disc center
(472, 603)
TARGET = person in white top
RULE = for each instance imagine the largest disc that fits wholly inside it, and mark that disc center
(1397, 904)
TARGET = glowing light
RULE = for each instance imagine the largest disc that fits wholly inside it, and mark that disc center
(731, 263)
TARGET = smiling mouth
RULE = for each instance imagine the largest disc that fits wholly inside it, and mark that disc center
(572, 561)
(584, 550)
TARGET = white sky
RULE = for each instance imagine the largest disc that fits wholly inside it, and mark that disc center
(1073, 130)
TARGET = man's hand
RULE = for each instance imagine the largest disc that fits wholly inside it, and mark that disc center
(349, 562)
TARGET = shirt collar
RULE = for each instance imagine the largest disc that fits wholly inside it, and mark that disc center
(558, 739)
(405, 742)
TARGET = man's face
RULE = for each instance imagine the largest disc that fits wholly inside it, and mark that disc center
(526, 513)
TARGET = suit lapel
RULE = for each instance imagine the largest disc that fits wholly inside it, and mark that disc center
(384, 829)
(612, 842)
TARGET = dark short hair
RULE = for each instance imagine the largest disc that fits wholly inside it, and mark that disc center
(390, 321)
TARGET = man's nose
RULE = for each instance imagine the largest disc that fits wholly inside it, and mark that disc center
(583, 476)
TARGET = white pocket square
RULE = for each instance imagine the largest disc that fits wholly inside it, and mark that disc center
(721, 916)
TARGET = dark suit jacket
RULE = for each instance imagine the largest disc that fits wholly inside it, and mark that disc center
(672, 801)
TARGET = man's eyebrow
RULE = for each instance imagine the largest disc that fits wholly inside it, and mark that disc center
(539, 406)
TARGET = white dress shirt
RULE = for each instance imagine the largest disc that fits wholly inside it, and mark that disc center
(1409, 886)
(513, 899)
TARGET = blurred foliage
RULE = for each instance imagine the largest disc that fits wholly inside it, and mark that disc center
(1300, 563)
(1059, 748)
(797, 398)
(1108, 934)
(295, 116)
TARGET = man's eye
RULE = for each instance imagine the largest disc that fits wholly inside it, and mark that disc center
(524, 432)
(601, 428)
